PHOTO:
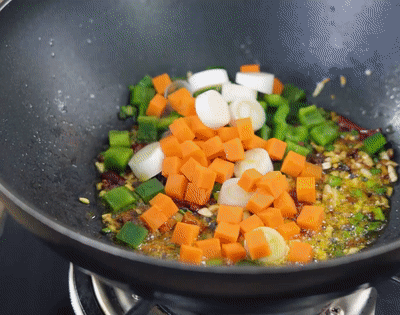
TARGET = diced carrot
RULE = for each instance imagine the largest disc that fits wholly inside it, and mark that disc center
(204, 177)
(300, 252)
(286, 183)
(176, 98)
(234, 150)
(271, 217)
(250, 224)
(254, 142)
(274, 183)
(305, 189)
(167, 226)
(171, 165)
(161, 82)
(165, 203)
(244, 128)
(286, 204)
(230, 214)
(153, 218)
(188, 168)
(170, 146)
(201, 131)
(228, 133)
(249, 179)
(311, 217)
(213, 148)
(276, 148)
(288, 230)
(277, 88)
(257, 244)
(187, 107)
(196, 194)
(181, 130)
(190, 254)
(211, 247)
(185, 234)
(227, 232)
(189, 149)
(176, 186)
(250, 68)
(233, 251)
(200, 143)
(259, 202)
(311, 170)
(293, 164)
(156, 106)
(223, 169)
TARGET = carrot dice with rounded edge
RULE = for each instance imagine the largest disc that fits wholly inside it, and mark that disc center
(161, 82)
(176, 186)
(288, 230)
(300, 252)
(227, 232)
(276, 148)
(211, 247)
(293, 164)
(190, 254)
(286, 204)
(188, 168)
(271, 217)
(258, 202)
(311, 217)
(170, 146)
(197, 195)
(228, 133)
(257, 244)
(187, 107)
(234, 150)
(204, 177)
(250, 224)
(254, 142)
(249, 179)
(274, 183)
(311, 170)
(250, 68)
(185, 234)
(156, 106)
(213, 147)
(189, 148)
(244, 128)
(176, 98)
(305, 189)
(201, 131)
(223, 169)
(153, 218)
(230, 214)
(171, 165)
(181, 130)
(233, 251)
(165, 204)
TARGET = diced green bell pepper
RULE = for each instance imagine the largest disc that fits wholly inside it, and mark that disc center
(297, 134)
(146, 81)
(325, 133)
(293, 94)
(164, 122)
(141, 97)
(127, 111)
(263, 104)
(293, 116)
(378, 214)
(119, 198)
(334, 181)
(374, 143)
(214, 262)
(264, 132)
(119, 138)
(357, 218)
(117, 158)
(148, 129)
(280, 130)
(149, 189)
(291, 146)
(275, 100)
(310, 116)
(132, 234)
(281, 114)
(217, 88)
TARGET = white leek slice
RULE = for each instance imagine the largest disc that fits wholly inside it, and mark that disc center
(212, 109)
(248, 108)
(232, 194)
(231, 92)
(207, 78)
(255, 158)
(259, 81)
(147, 162)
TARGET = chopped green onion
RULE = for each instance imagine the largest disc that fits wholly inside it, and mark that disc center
(334, 181)
(149, 189)
(148, 131)
(117, 158)
(378, 214)
(132, 234)
(293, 94)
(119, 198)
(291, 146)
(375, 171)
(119, 138)
(374, 143)
(325, 133)
(310, 116)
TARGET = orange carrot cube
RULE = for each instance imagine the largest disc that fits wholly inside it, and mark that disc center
(161, 82)
(250, 68)
(250, 224)
(227, 232)
(156, 106)
(293, 164)
(165, 204)
(234, 150)
(274, 183)
(271, 217)
(171, 165)
(214, 147)
(170, 146)
(288, 230)
(201, 131)
(223, 169)
(211, 247)
(176, 186)
(189, 168)
(154, 218)
(233, 251)
(181, 130)
(230, 214)
(311, 170)
(228, 133)
(259, 202)
(276, 148)
(286, 204)
(278, 86)
(300, 252)
(185, 234)
(254, 142)
(245, 128)
(176, 98)
(190, 254)
(249, 179)
(311, 217)
(305, 189)
(196, 194)
(204, 177)
(257, 244)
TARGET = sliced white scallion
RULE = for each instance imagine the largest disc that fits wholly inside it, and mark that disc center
(147, 162)
(248, 108)
(207, 78)
(231, 92)
(232, 194)
(255, 158)
(260, 81)
(212, 109)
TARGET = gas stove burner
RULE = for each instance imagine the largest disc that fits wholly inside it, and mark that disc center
(91, 295)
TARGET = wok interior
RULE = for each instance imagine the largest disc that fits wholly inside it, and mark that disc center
(64, 77)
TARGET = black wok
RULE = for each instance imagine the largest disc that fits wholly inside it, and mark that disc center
(64, 70)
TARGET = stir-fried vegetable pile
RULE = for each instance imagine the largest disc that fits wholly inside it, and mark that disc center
(221, 173)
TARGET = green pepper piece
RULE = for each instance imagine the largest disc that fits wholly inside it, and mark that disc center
(374, 143)
(141, 97)
(132, 234)
(119, 138)
(281, 114)
(310, 116)
(378, 214)
(264, 132)
(217, 88)
(293, 116)
(248, 262)
(148, 131)
(263, 104)
(375, 171)
(149, 189)
(119, 198)
(146, 81)
(275, 100)
(291, 146)
(329, 147)
(280, 130)
(214, 262)
(297, 134)
(373, 226)
(117, 158)
(334, 181)
(325, 133)
(217, 187)
(293, 94)
(127, 111)
(164, 122)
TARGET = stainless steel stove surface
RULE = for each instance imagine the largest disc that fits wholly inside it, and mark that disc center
(36, 281)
